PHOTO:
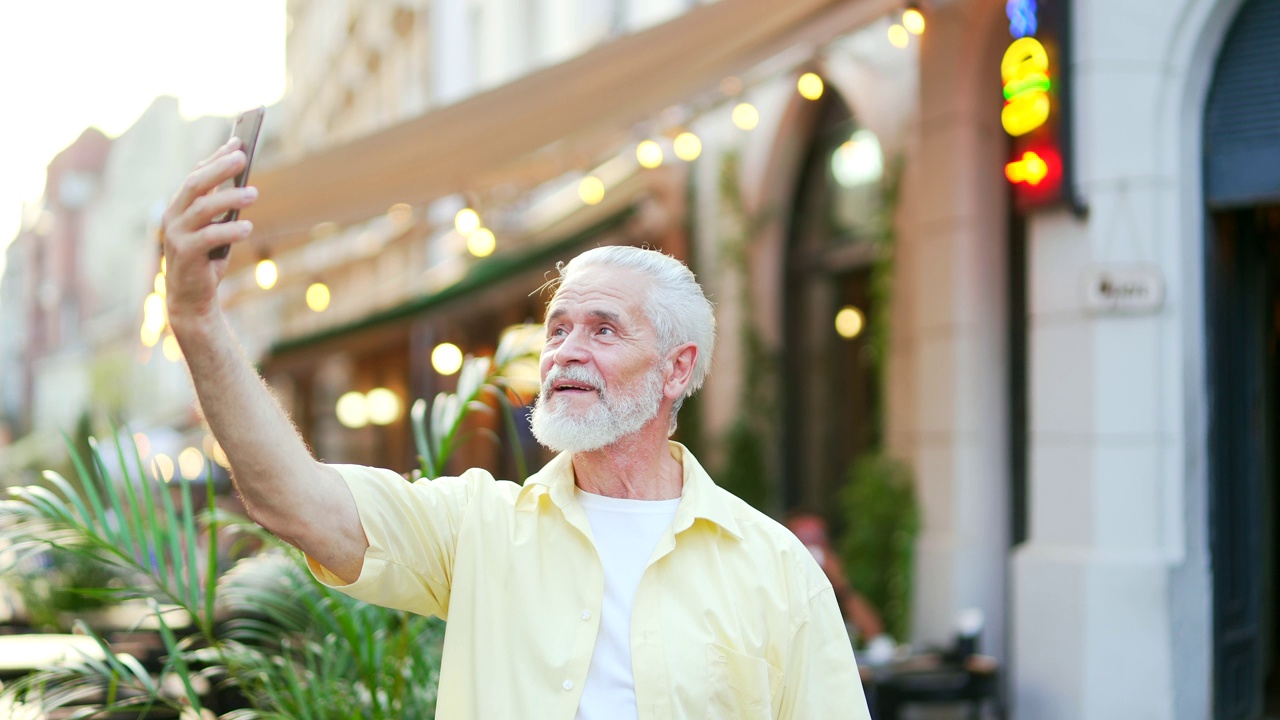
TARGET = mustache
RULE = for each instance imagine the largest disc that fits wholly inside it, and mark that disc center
(574, 373)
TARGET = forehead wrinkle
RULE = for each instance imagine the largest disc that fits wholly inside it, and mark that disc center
(603, 293)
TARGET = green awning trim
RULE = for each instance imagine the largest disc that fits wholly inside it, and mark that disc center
(483, 274)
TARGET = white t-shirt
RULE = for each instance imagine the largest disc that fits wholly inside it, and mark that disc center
(626, 532)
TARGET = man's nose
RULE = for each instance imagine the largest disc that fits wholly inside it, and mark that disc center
(572, 350)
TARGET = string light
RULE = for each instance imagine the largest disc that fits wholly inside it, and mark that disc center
(898, 36)
(318, 297)
(649, 154)
(172, 351)
(481, 242)
(913, 21)
(466, 221)
(266, 273)
(446, 358)
(384, 406)
(745, 116)
(154, 318)
(149, 336)
(352, 410)
(162, 467)
(214, 450)
(190, 463)
(591, 190)
(849, 322)
(143, 443)
(400, 214)
(687, 146)
(810, 86)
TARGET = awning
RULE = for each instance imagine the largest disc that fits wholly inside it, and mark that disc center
(489, 272)
(580, 108)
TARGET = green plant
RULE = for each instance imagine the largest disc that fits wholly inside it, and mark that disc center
(60, 582)
(878, 546)
(746, 468)
(501, 378)
(262, 630)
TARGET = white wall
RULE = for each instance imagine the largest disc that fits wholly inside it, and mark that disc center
(1111, 592)
(947, 399)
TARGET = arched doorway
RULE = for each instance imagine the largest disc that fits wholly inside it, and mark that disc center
(831, 341)
(1242, 285)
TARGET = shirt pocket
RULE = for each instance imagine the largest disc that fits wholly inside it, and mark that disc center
(739, 685)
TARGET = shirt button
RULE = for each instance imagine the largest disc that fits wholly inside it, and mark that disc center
(568, 684)
(586, 614)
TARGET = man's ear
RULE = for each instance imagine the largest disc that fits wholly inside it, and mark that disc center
(679, 364)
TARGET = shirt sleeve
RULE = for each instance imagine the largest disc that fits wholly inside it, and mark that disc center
(821, 678)
(412, 529)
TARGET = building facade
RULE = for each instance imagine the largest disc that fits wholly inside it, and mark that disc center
(76, 285)
(1141, 578)
(1084, 391)
(1096, 475)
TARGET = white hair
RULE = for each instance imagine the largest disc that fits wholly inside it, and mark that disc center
(675, 303)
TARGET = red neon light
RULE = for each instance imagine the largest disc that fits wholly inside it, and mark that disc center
(1030, 168)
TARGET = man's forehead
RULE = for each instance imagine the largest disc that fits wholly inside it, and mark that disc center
(600, 291)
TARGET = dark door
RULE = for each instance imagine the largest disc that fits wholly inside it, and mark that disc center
(1243, 318)
(830, 360)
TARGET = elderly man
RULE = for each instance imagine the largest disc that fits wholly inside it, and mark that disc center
(617, 582)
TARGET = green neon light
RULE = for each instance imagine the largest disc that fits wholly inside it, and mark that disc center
(1036, 82)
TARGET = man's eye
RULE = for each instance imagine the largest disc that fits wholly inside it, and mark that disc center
(606, 331)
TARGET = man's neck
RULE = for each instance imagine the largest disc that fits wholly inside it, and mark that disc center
(636, 468)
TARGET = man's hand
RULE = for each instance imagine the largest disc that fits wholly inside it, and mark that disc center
(191, 278)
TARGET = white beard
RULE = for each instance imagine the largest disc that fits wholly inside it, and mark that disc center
(608, 420)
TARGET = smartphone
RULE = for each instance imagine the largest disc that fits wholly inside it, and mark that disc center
(247, 125)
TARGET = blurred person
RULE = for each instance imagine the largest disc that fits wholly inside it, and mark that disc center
(811, 529)
(619, 581)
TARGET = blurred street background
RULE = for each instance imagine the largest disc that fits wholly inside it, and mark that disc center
(997, 286)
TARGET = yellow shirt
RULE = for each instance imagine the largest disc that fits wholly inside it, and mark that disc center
(732, 619)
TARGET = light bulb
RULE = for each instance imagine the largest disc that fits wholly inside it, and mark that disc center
(318, 297)
(353, 410)
(384, 406)
(591, 190)
(898, 36)
(481, 242)
(190, 463)
(810, 86)
(913, 21)
(649, 153)
(446, 358)
(466, 221)
(745, 116)
(849, 322)
(687, 146)
(172, 352)
(266, 273)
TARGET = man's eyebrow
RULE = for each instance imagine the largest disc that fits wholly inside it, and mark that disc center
(605, 315)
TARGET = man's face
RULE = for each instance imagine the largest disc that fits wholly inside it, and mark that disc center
(601, 375)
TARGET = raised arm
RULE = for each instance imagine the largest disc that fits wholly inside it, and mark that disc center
(284, 488)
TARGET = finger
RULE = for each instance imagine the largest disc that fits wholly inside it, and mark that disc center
(227, 148)
(203, 179)
(207, 207)
(220, 234)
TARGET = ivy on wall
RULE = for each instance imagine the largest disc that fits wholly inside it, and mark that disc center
(746, 468)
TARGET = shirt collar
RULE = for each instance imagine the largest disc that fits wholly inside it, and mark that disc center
(700, 498)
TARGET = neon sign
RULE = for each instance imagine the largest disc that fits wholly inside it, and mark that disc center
(1030, 169)
(1034, 114)
(1025, 70)
(1022, 17)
